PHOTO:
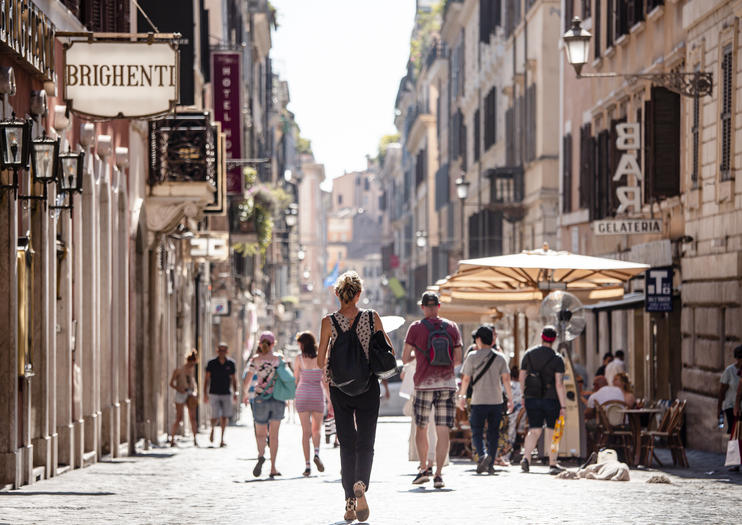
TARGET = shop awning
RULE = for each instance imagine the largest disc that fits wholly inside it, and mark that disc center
(629, 302)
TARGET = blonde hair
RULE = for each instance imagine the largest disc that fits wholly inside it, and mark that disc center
(348, 286)
(625, 382)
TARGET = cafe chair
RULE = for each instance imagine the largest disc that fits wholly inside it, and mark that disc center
(612, 432)
(460, 436)
(667, 436)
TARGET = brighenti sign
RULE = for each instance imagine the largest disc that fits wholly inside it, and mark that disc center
(628, 141)
(121, 79)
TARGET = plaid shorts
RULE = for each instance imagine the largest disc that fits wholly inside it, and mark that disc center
(442, 400)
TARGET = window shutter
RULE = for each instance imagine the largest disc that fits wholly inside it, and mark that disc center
(726, 113)
(597, 24)
(509, 137)
(665, 175)
(474, 236)
(567, 173)
(477, 135)
(603, 183)
(569, 12)
(586, 167)
(610, 23)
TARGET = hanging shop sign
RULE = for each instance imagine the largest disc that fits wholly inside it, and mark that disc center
(121, 79)
(183, 148)
(225, 74)
(628, 142)
(658, 289)
(29, 34)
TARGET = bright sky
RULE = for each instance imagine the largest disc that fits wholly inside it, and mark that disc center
(343, 60)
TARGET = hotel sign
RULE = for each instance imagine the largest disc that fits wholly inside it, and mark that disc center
(121, 79)
(227, 110)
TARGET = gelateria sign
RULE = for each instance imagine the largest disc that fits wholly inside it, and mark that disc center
(628, 142)
(121, 79)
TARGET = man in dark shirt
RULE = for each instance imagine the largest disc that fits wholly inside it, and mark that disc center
(607, 358)
(220, 374)
(542, 384)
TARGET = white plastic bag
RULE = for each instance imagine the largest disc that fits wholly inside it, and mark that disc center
(733, 452)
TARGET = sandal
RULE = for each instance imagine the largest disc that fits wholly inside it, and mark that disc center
(258, 467)
(362, 511)
(307, 472)
(350, 509)
(318, 462)
(274, 474)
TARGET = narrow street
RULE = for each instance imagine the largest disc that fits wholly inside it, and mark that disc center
(212, 485)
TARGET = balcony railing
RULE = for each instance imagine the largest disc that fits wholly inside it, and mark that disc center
(437, 50)
(506, 186)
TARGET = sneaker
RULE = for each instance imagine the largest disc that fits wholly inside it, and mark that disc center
(438, 482)
(362, 511)
(524, 467)
(258, 467)
(422, 477)
(483, 464)
(350, 509)
(491, 470)
(556, 469)
(318, 462)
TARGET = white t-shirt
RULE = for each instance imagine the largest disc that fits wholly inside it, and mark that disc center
(605, 394)
(613, 368)
(730, 377)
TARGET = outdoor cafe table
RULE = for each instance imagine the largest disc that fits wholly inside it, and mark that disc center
(635, 421)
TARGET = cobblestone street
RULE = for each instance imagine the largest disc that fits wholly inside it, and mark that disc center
(212, 485)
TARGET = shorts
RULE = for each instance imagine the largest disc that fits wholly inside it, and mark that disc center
(182, 397)
(442, 400)
(221, 405)
(265, 410)
(540, 411)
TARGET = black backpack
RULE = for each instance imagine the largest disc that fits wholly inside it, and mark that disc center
(348, 364)
(440, 345)
(536, 384)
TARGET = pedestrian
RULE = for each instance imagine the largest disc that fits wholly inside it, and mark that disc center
(220, 375)
(311, 392)
(728, 388)
(542, 383)
(607, 358)
(615, 366)
(183, 381)
(267, 412)
(436, 345)
(486, 370)
(355, 416)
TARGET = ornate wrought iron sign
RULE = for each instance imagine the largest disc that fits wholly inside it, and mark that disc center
(183, 148)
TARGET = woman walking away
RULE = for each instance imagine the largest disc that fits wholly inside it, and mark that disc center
(184, 382)
(311, 391)
(355, 415)
(266, 410)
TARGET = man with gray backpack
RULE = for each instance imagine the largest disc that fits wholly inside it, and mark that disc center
(436, 343)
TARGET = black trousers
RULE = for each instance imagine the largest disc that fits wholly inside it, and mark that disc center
(355, 423)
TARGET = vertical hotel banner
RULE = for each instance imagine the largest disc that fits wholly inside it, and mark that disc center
(227, 86)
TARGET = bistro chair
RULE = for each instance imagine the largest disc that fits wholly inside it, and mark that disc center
(668, 434)
(614, 435)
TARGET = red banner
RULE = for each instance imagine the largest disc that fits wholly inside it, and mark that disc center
(226, 81)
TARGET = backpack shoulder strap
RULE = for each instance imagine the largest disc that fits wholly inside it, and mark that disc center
(337, 325)
(486, 367)
(371, 320)
(355, 321)
(427, 324)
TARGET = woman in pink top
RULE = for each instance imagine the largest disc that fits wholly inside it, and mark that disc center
(311, 392)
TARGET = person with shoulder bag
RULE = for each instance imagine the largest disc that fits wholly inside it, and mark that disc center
(435, 345)
(542, 384)
(485, 370)
(267, 395)
(346, 336)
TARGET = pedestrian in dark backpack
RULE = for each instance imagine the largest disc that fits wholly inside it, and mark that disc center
(542, 383)
(355, 400)
(436, 343)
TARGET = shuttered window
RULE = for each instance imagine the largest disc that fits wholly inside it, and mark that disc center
(651, 4)
(586, 9)
(597, 36)
(696, 137)
(586, 167)
(489, 18)
(107, 16)
(610, 21)
(569, 12)
(531, 123)
(510, 153)
(476, 128)
(490, 119)
(621, 16)
(442, 187)
(567, 173)
(602, 201)
(727, 71)
(662, 145)
(485, 234)
(635, 11)
(420, 168)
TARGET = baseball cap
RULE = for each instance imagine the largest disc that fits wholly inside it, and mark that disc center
(222, 344)
(267, 336)
(429, 299)
(549, 333)
(485, 333)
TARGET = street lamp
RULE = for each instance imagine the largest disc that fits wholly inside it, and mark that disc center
(15, 146)
(69, 179)
(44, 157)
(421, 239)
(462, 188)
(301, 254)
(291, 215)
(576, 46)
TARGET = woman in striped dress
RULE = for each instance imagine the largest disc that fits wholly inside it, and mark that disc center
(311, 392)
